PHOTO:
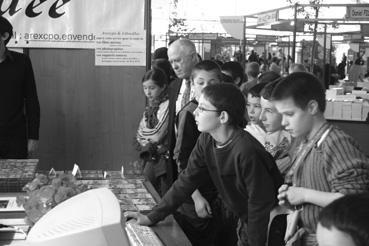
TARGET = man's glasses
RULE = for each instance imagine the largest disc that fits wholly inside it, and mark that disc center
(201, 109)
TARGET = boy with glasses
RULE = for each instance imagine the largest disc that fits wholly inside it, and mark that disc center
(232, 159)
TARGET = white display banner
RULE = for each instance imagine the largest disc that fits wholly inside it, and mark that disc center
(69, 23)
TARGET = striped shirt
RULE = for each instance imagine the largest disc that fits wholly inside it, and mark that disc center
(335, 164)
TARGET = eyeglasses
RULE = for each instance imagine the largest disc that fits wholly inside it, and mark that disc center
(201, 109)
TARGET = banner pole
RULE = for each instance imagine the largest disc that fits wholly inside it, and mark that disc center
(148, 23)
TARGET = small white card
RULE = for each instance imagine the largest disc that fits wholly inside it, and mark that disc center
(9, 204)
(76, 170)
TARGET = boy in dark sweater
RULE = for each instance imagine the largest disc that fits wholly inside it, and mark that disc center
(237, 163)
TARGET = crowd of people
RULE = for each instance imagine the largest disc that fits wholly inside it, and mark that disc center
(237, 147)
(225, 148)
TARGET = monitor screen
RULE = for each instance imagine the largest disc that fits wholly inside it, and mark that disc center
(91, 218)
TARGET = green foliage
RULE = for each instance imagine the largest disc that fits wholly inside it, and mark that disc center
(176, 24)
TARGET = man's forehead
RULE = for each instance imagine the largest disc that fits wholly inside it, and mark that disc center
(285, 104)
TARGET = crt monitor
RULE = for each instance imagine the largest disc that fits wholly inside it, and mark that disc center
(92, 218)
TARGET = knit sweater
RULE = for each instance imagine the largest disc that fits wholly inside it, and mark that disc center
(241, 173)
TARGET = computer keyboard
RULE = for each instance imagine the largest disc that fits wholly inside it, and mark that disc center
(142, 235)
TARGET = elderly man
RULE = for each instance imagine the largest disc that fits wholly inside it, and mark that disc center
(183, 57)
(19, 105)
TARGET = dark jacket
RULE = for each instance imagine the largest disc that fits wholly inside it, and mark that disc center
(19, 105)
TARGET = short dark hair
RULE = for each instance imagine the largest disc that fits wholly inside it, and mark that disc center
(164, 65)
(267, 77)
(349, 214)
(254, 69)
(256, 89)
(227, 78)
(235, 69)
(161, 53)
(208, 66)
(157, 75)
(227, 97)
(301, 87)
(6, 27)
(267, 91)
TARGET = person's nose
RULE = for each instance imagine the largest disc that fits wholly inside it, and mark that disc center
(196, 112)
(284, 121)
(262, 116)
(175, 65)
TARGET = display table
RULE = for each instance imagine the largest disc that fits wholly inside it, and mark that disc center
(358, 130)
(134, 193)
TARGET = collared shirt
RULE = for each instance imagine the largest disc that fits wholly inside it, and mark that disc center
(180, 95)
(335, 164)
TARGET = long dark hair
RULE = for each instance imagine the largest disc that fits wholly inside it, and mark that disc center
(157, 75)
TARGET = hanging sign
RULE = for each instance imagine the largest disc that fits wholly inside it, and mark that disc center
(267, 18)
(266, 38)
(69, 23)
(357, 12)
(114, 48)
(233, 25)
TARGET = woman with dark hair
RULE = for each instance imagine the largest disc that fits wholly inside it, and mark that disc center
(244, 174)
(152, 130)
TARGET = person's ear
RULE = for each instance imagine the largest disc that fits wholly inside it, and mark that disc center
(313, 107)
(224, 117)
(5, 36)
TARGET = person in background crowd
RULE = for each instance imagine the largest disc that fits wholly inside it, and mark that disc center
(252, 72)
(344, 222)
(341, 67)
(327, 163)
(307, 65)
(234, 70)
(195, 215)
(160, 53)
(164, 65)
(183, 57)
(297, 67)
(152, 131)
(277, 139)
(317, 69)
(253, 57)
(274, 66)
(253, 106)
(330, 73)
(263, 66)
(237, 164)
(357, 71)
(19, 105)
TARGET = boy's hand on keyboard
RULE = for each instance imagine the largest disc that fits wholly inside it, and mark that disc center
(140, 218)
